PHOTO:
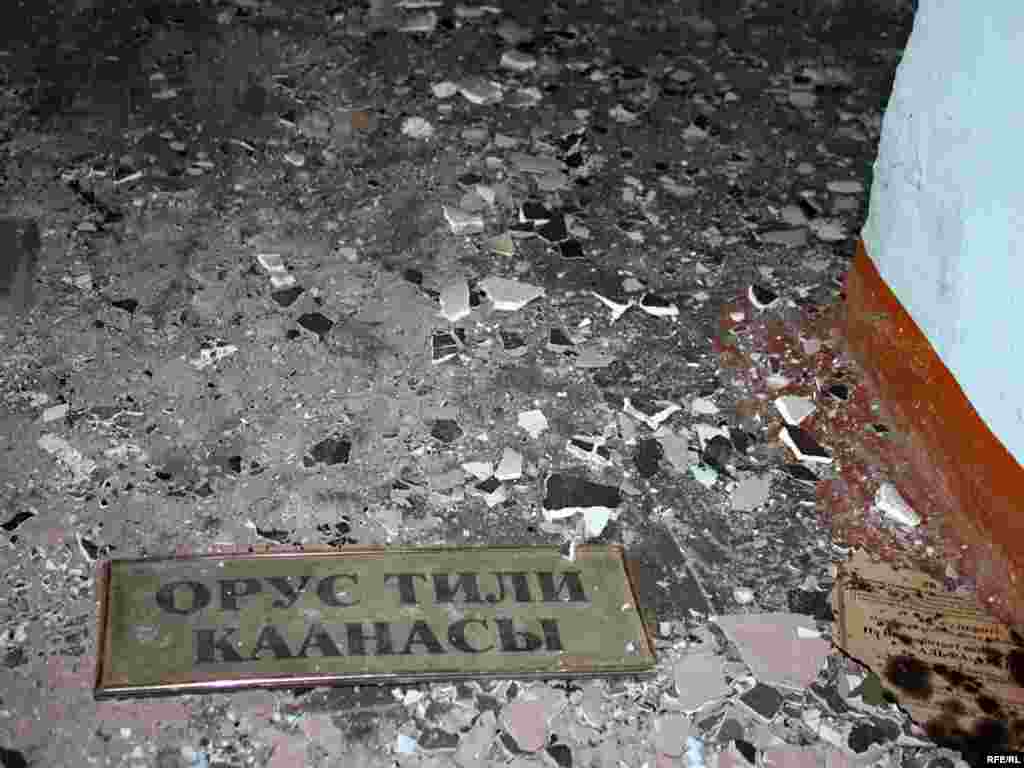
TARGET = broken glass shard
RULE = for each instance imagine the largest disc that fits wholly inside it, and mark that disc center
(839, 391)
(800, 473)
(126, 305)
(571, 250)
(565, 495)
(657, 306)
(559, 341)
(444, 346)
(287, 296)
(316, 323)
(762, 297)
(532, 211)
(509, 295)
(554, 230)
(804, 446)
(512, 342)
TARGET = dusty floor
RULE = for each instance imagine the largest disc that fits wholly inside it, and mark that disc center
(175, 390)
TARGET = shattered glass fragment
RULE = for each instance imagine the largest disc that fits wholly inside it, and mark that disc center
(316, 323)
(479, 90)
(764, 700)
(840, 391)
(93, 551)
(522, 229)
(490, 485)
(509, 295)
(747, 750)
(512, 342)
(800, 473)
(617, 308)
(455, 301)
(588, 450)
(509, 743)
(17, 519)
(651, 413)
(794, 409)
(559, 341)
(444, 346)
(809, 208)
(762, 297)
(511, 465)
(566, 492)
(657, 306)
(463, 222)
(533, 422)
(287, 296)
(126, 305)
(804, 446)
(571, 250)
(554, 230)
(890, 502)
(277, 535)
(561, 754)
(532, 211)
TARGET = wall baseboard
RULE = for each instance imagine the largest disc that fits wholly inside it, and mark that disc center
(977, 487)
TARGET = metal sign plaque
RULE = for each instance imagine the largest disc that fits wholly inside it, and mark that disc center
(366, 614)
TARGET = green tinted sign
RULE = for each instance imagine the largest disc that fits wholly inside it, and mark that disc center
(367, 615)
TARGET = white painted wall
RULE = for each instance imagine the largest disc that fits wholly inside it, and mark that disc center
(946, 221)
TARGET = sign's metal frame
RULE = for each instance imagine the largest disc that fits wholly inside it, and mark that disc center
(568, 665)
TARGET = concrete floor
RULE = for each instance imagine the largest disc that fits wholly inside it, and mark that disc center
(165, 393)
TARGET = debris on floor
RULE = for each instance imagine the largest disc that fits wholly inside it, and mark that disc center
(285, 293)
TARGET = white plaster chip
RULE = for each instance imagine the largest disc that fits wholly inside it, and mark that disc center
(534, 422)
(751, 492)
(794, 409)
(511, 465)
(455, 301)
(509, 295)
(463, 222)
(891, 503)
(847, 187)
